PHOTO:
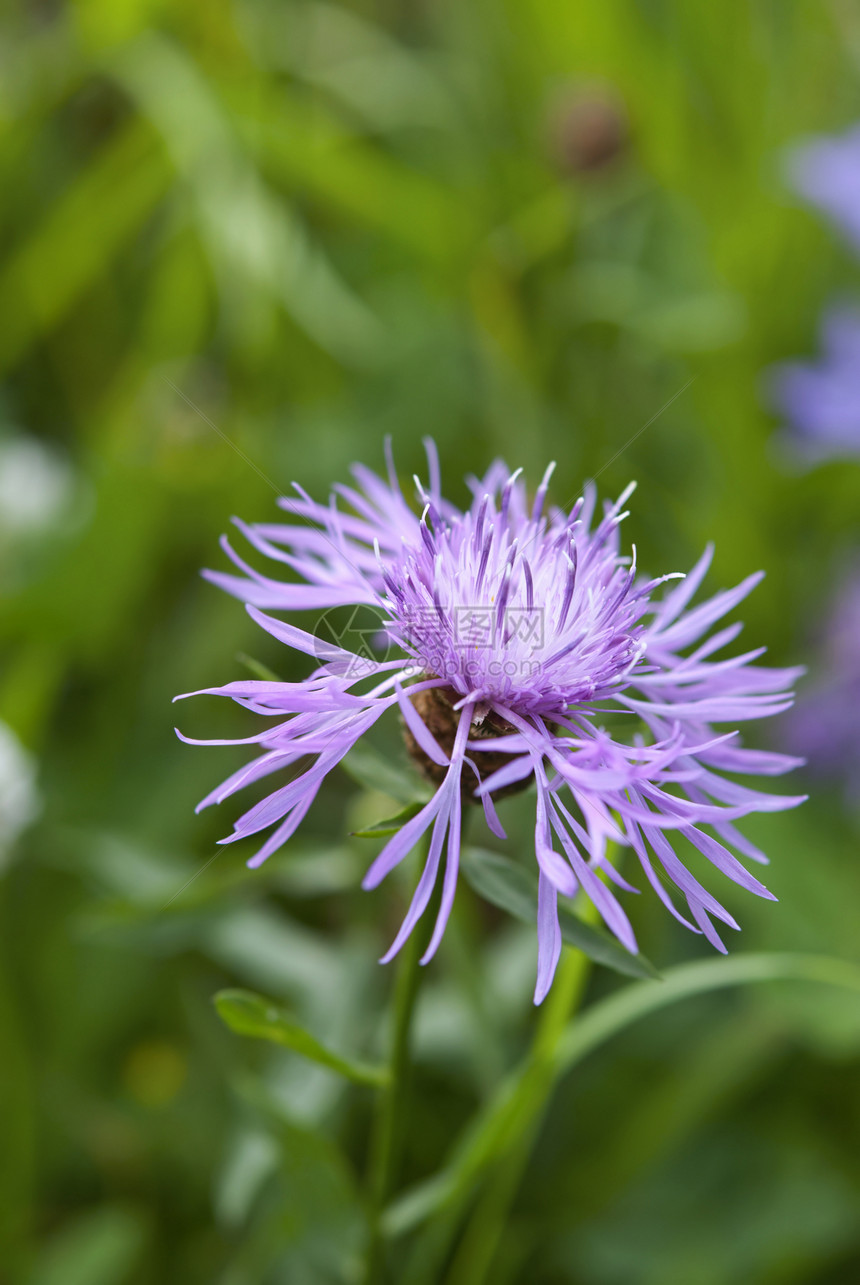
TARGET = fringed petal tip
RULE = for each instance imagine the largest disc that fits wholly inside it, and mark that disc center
(200, 691)
(540, 995)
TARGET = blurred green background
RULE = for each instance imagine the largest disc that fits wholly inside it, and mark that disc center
(241, 242)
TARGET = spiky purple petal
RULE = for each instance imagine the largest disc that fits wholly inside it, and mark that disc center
(531, 616)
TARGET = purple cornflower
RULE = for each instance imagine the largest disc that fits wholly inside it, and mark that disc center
(526, 638)
(823, 726)
(826, 172)
(821, 400)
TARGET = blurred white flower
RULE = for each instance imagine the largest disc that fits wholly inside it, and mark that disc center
(19, 797)
(35, 484)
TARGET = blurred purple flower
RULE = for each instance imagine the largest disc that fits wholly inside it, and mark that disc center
(531, 633)
(826, 172)
(821, 400)
(823, 726)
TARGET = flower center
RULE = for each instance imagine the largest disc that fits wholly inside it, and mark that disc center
(434, 706)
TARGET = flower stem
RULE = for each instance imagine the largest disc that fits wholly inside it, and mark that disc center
(484, 1231)
(386, 1143)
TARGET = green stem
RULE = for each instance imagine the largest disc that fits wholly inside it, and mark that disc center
(502, 1136)
(441, 1200)
(487, 1224)
(513, 1116)
(386, 1143)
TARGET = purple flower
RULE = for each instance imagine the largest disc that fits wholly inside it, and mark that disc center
(827, 173)
(823, 726)
(821, 400)
(529, 644)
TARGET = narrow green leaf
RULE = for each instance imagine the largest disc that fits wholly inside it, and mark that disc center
(501, 881)
(490, 1133)
(283, 262)
(80, 233)
(391, 825)
(352, 174)
(253, 1015)
(618, 1011)
(257, 668)
(368, 767)
(513, 888)
(602, 947)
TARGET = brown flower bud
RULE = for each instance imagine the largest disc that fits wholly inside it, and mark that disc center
(588, 129)
(435, 707)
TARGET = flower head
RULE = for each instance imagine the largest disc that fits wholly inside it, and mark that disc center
(826, 172)
(823, 726)
(821, 400)
(526, 638)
